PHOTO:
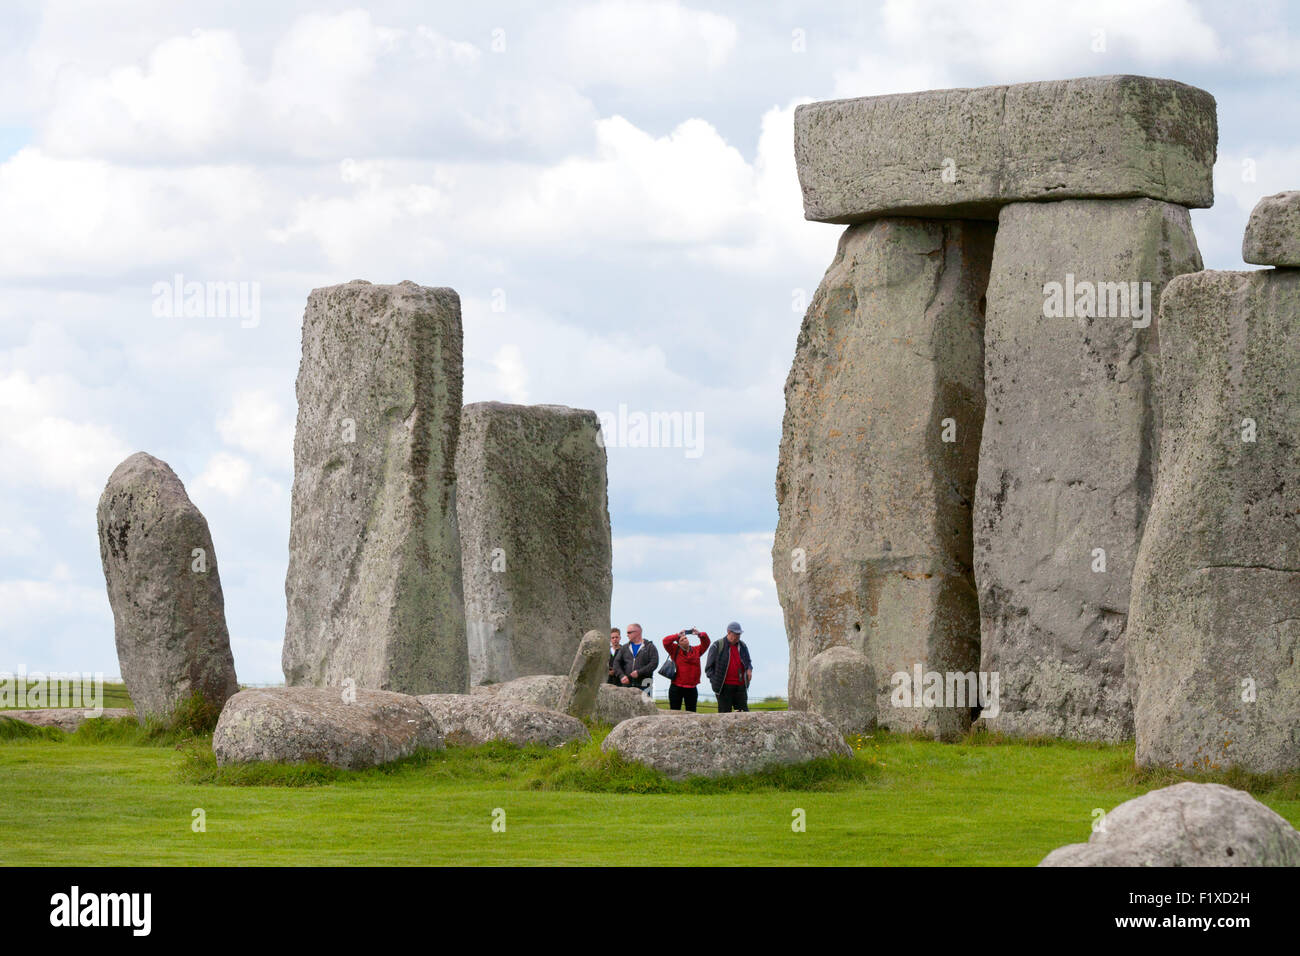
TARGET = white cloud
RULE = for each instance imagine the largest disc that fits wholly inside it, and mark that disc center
(635, 43)
(256, 423)
(41, 447)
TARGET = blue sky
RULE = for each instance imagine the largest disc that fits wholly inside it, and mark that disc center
(618, 176)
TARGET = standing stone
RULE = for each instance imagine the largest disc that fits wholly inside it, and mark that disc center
(842, 689)
(535, 536)
(1068, 453)
(1273, 234)
(169, 616)
(374, 582)
(966, 152)
(1214, 636)
(884, 406)
(588, 673)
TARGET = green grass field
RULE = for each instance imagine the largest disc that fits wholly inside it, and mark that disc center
(116, 794)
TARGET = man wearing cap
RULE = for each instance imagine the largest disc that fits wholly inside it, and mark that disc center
(730, 670)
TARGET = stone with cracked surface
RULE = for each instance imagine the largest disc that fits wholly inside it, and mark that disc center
(884, 406)
(1214, 633)
(964, 153)
(374, 581)
(1067, 455)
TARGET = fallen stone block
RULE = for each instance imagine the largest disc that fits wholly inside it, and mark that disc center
(842, 689)
(717, 745)
(336, 726)
(470, 719)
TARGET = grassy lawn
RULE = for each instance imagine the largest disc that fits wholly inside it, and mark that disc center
(115, 695)
(112, 794)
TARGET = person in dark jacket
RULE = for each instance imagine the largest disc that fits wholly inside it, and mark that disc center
(730, 670)
(636, 662)
(615, 639)
(684, 688)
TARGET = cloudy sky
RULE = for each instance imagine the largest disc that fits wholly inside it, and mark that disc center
(609, 186)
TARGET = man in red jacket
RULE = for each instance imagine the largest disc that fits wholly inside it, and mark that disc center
(686, 656)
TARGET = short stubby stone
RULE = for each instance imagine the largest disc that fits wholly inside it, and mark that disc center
(721, 745)
(588, 674)
(470, 719)
(877, 469)
(1188, 824)
(1273, 233)
(1068, 454)
(535, 536)
(374, 581)
(169, 615)
(963, 153)
(336, 726)
(842, 688)
(1214, 628)
(553, 691)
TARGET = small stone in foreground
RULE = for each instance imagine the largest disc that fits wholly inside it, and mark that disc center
(1188, 824)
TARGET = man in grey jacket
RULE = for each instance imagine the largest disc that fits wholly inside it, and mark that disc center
(635, 663)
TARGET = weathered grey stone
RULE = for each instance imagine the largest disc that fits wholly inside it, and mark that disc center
(1273, 233)
(550, 691)
(963, 153)
(588, 674)
(617, 704)
(374, 582)
(63, 718)
(470, 719)
(1214, 631)
(169, 616)
(719, 745)
(872, 547)
(842, 688)
(613, 704)
(323, 724)
(1067, 455)
(535, 538)
(1188, 824)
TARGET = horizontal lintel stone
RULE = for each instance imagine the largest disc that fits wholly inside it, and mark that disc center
(964, 153)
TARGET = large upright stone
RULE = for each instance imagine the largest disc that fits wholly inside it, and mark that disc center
(169, 616)
(1214, 636)
(966, 152)
(535, 537)
(884, 405)
(1067, 457)
(374, 582)
(1272, 236)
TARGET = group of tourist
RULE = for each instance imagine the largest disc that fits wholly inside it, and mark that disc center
(727, 665)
